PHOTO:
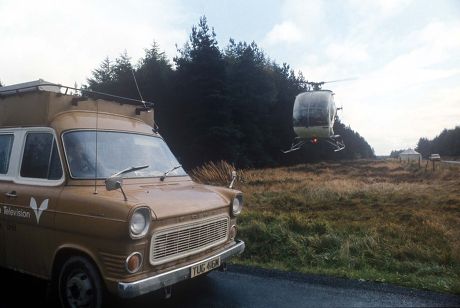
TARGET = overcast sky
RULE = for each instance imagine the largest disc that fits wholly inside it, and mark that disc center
(405, 54)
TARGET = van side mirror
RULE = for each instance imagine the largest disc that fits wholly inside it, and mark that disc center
(114, 183)
(233, 179)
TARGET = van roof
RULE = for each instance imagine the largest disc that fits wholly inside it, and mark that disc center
(37, 103)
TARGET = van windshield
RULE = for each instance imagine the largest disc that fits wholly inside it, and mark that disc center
(117, 151)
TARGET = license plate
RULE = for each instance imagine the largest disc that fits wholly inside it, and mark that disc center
(204, 267)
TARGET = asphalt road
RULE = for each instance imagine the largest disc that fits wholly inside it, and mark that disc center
(250, 287)
(451, 162)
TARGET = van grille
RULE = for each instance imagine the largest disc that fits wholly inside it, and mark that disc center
(185, 240)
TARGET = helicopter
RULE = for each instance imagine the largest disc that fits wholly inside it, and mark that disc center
(313, 116)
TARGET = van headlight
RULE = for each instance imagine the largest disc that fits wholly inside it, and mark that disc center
(237, 205)
(140, 222)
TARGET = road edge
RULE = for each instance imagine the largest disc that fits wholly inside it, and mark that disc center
(346, 283)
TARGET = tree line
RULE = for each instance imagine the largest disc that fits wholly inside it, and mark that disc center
(233, 104)
(447, 143)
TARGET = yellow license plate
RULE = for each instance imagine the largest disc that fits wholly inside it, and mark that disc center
(204, 267)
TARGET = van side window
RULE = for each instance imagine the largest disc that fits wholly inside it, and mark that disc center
(6, 143)
(41, 158)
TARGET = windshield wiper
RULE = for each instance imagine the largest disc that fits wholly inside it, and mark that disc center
(115, 181)
(162, 178)
(130, 169)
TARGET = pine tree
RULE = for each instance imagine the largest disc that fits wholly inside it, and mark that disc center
(154, 75)
(203, 112)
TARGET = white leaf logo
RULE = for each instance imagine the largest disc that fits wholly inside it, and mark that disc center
(38, 211)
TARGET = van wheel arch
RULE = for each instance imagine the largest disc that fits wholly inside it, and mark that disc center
(65, 253)
(60, 260)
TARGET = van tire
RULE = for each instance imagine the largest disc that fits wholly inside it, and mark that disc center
(79, 284)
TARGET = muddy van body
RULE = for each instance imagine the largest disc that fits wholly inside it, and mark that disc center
(93, 200)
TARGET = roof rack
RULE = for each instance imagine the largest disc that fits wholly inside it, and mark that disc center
(41, 85)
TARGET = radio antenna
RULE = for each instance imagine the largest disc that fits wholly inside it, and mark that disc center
(138, 91)
(95, 169)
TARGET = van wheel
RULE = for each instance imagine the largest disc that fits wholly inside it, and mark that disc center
(79, 284)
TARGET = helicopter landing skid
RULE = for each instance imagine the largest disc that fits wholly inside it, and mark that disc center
(337, 142)
(295, 146)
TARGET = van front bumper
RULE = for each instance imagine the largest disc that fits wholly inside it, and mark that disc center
(136, 288)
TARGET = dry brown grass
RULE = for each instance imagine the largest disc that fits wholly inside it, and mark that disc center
(213, 173)
(379, 220)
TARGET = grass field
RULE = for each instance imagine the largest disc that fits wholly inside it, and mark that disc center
(372, 220)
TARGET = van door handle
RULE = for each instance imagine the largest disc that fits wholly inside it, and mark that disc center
(11, 194)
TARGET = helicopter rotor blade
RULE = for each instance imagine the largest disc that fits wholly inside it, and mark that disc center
(318, 85)
(339, 80)
(312, 82)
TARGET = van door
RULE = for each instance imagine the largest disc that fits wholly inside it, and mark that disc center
(32, 202)
(6, 145)
(2, 243)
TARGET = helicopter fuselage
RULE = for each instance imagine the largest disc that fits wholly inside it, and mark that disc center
(314, 114)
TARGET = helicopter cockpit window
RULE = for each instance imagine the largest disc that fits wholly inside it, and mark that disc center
(319, 114)
(301, 117)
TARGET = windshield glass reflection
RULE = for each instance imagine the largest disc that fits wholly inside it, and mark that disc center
(117, 151)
